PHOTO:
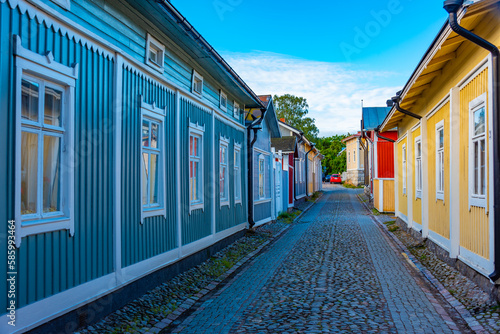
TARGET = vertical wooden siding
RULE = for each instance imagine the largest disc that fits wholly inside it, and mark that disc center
(376, 194)
(389, 198)
(52, 262)
(416, 202)
(385, 159)
(402, 202)
(234, 214)
(439, 212)
(474, 223)
(197, 224)
(156, 235)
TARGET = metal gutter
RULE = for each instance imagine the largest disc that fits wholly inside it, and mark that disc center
(190, 30)
(452, 7)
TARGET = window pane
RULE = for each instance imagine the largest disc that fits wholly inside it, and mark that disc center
(483, 168)
(153, 183)
(29, 164)
(441, 138)
(145, 133)
(476, 167)
(51, 173)
(195, 147)
(145, 178)
(53, 107)
(221, 182)
(479, 122)
(29, 100)
(154, 135)
(195, 182)
(191, 153)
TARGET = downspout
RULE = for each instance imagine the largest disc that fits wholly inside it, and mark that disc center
(307, 153)
(384, 138)
(452, 7)
(255, 126)
(396, 100)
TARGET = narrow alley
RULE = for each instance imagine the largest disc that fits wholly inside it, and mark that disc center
(333, 271)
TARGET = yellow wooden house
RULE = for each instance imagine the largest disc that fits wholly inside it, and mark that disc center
(444, 152)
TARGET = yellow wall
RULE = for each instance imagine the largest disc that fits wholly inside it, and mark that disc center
(439, 212)
(376, 193)
(402, 200)
(351, 147)
(474, 224)
(417, 202)
(389, 196)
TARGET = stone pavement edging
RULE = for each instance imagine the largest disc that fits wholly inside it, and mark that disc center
(186, 305)
(457, 305)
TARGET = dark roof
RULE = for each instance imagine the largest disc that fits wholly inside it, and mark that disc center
(374, 116)
(285, 144)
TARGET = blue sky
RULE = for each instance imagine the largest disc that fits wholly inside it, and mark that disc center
(333, 53)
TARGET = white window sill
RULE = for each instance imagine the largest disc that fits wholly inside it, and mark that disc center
(479, 202)
(440, 196)
(147, 213)
(155, 66)
(263, 200)
(32, 227)
(238, 201)
(418, 194)
(224, 203)
(197, 206)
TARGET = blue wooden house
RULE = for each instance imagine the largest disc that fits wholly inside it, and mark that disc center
(122, 138)
(264, 177)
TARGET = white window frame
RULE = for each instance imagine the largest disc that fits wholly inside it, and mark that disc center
(263, 178)
(478, 200)
(196, 130)
(157, 115)
(236, 110)
(222, 96)
(418, 168)
(349, 156)
(152, 42)
(237, 174)
(196, 77)
(28, 63)
(224, 142)
(404, 160)
(440, 168)
(354, 155)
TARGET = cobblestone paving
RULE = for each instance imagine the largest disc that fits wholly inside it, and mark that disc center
(334, 271)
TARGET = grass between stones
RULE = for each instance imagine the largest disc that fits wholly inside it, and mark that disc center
(157, 304)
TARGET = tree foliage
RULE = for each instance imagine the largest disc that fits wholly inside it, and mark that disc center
(294, 110)
(330, 147)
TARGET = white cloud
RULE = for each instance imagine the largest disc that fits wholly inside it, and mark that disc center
(333, 90)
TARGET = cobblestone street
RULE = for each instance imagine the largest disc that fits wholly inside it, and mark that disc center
(333, 271)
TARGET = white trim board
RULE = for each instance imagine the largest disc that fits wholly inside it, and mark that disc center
(263, 221)
(476, 262)
(440, 240)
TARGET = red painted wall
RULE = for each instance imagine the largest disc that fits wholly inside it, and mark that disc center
(291, 176)
(385, 155)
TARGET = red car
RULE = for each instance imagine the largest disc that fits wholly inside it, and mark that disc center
(335, 178)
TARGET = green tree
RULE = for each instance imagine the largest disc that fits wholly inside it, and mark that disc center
(330, 147)
(294, 110)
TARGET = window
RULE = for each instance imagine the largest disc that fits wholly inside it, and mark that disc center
(197, 83)
(155, 53)
(223, 179)
(44, 116)
(196, 167)
(404, 168)
(348, 156)
(440, 160)
(237, 173)
(477, 152)
(261, 177)
(418, 167)
(236, 110)
(223, 101)
(152, 161)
